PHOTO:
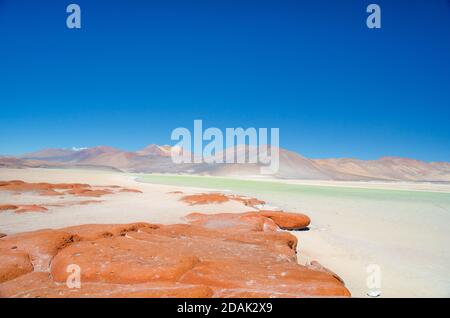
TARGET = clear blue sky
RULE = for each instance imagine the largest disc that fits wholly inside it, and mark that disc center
(138, 69)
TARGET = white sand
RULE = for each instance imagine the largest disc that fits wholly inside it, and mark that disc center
(410, 241)
(154, 205)
(408, 238)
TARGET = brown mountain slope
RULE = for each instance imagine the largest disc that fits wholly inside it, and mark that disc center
(156, 159)
(388, 168)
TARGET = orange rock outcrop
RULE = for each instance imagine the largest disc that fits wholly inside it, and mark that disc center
(83, 192)
(6, 207)
(30, 208)
(286, 220)
(23, 208)
(130, 190)
(56, 189)
(13, 264)
(40, 284)
(41, 187)
(223, 255)
(53, 189)
(209, 198)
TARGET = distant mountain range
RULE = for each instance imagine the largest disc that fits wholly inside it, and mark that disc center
(156, 159)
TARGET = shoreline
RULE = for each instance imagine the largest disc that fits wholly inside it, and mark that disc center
(408, 186)
(346, 234)
(405, 232)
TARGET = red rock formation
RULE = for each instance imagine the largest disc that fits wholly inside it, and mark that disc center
(130, 190)
(284, 220)
(40, 245)
(2, 235)
(11, 182)
(89, 193)
(23, 208)
(252, 202)
(250, 221)
(315, 265)
(208, 198)
(40, 208)
(30, 208)
(86, 202)
(69, 186)
(92, 232)
(56, 189)
(205, 198)
(13, 264)
(72, 203)
(6, 207)
(39, 284)
(122, 260)
(224, 255)
(53, 189)
(50, 193)
(288, 221)
(21, 186)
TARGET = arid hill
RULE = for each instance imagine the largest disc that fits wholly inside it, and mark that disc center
(156, 159)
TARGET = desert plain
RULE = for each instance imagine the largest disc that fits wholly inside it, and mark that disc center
(403, 228)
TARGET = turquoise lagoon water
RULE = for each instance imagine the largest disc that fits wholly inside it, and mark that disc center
(406, 232)
(298, 191)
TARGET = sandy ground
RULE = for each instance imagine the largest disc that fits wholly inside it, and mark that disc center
(409, 241)
(409, 186)
(154, 205)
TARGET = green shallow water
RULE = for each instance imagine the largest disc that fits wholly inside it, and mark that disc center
(354, 227)
(275, 188)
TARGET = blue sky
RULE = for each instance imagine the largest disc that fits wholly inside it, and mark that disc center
(138, 69)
